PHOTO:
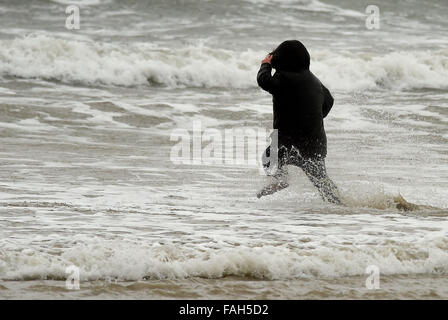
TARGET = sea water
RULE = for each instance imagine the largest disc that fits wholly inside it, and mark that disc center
(88, 180)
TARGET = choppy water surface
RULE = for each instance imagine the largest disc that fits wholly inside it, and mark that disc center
(86, 177)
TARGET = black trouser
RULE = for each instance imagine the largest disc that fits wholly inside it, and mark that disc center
(314, 168)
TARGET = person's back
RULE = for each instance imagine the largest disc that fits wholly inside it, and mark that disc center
(298, 111)
(300, 100)
(300, 104)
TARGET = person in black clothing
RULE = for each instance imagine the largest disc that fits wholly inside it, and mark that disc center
(300, 102)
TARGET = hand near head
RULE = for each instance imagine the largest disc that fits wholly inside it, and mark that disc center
(267, 59)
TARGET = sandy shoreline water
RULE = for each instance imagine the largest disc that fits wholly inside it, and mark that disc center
(88, 177)
(391, 287)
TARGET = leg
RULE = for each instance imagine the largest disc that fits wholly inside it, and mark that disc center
(316, 172)
(276, 170)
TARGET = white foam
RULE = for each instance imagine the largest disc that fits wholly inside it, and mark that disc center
(87, 62)
(6, 91)
(82, 2)
(396, 70)
(124, 260)
(310, 5)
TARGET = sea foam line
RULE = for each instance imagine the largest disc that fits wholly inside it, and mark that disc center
(96, 63)
(125, 260)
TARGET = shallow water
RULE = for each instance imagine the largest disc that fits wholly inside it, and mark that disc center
(397, 287)
(86, 177)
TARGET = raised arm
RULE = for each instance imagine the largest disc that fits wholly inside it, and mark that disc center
(328, 101)
(264, 78)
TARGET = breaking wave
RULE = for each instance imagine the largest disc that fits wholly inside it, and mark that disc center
(96, 63)
(123, 260)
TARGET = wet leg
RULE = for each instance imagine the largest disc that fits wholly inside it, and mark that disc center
(316, 172)
(281, 182)
(279, 173)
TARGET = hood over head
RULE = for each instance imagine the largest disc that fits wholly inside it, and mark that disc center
(292, 56)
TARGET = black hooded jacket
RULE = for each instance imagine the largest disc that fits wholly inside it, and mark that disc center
(300, 100)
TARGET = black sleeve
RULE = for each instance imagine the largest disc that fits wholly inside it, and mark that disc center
(266, 81)
(328, 101)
